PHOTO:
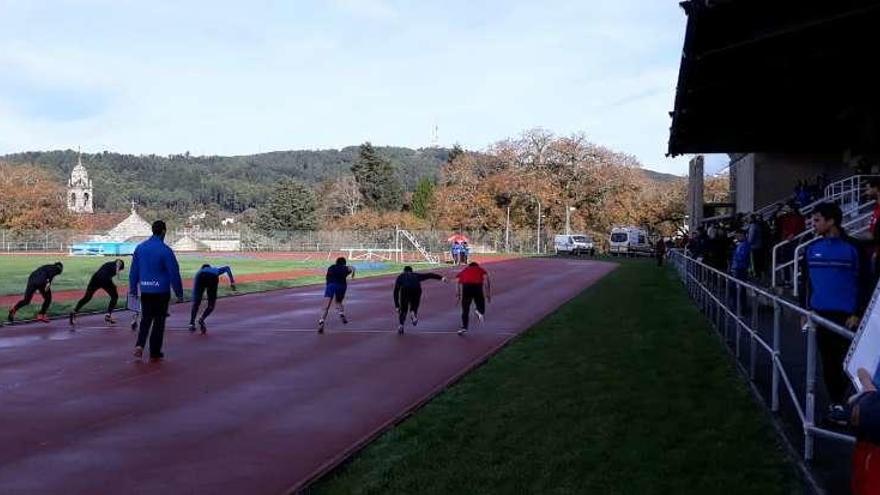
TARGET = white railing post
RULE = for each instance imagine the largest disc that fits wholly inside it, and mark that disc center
(774, 385)
(810, 395)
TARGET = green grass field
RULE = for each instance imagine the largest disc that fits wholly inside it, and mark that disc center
(14, 271)
(625, 389)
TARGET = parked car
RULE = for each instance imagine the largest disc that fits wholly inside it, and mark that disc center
(629, 241)
(576, 244)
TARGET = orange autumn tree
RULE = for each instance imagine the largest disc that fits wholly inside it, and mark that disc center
(571, 172)
(31, 199)
(606, 188)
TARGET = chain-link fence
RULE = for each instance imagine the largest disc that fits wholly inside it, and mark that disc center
(434, 241)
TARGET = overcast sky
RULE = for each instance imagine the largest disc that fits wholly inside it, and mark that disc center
(224, 77)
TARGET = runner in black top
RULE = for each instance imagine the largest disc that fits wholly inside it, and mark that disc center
(102, 279)
(39, 281)
(408, 294)
(337, 284)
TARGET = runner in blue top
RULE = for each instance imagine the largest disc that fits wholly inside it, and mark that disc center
(337, 283)
(207, 279)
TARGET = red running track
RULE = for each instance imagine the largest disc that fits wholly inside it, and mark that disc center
(261, 404)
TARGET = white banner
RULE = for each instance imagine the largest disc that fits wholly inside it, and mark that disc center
(865, 349)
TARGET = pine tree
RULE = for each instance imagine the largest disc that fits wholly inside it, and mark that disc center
(422, 198)
(291, 207)
(454, 153)
(377, 180)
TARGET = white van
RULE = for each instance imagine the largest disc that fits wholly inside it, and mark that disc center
(629, 241)
(576, 244)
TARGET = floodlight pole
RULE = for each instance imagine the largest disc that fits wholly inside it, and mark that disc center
(539, 225)
(507, 232)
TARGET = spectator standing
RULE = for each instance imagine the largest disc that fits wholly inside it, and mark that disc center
(834, 291)
(756, 240)
(660, 251)
(742, 254)
(872, 190)
(790, 223)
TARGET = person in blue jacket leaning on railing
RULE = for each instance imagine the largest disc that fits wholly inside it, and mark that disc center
(834, 289)
(154, 273)
(742, 255)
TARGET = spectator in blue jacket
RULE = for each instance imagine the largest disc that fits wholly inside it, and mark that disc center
(154, 273)
(742, 255)
(207, 279)
(834, 290)
(456, 253)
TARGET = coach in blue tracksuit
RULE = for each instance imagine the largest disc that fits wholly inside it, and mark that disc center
(835, 291)
(154, 273)
(207, 279)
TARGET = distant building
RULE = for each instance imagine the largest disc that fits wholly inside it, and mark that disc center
(132, 229)
(79, 189)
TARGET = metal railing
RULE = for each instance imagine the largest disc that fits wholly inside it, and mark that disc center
(850, 189)
(739, 312)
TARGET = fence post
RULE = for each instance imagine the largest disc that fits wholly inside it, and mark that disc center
(739, 315)
(810, 397)
(774, 385)
(726, 313)
(753, 344)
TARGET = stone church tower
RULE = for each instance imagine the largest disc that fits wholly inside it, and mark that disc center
(79, 189)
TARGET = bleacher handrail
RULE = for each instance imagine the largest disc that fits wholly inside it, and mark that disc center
(696, 277)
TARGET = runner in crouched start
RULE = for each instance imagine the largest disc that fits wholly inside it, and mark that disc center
(207, 279)
(337, 284)
(408, 294)
(40, 280)
(470, 290)
(102, 279)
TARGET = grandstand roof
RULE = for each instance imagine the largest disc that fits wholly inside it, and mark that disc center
(778, 76)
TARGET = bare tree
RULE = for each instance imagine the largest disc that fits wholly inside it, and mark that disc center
(343, 197)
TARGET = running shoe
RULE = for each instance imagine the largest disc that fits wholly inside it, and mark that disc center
(462, 331)
(108, 319)
(134, 325)
(202, 327)
(343, 318)
(157, 357)
(43, 318)
(415, 319)
(138, 352)
(399, 329)
(72, 319)
(479, 316)
(321, 325)
(11, 316)
(192, 327)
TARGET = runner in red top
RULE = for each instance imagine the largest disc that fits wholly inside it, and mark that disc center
(470, 290)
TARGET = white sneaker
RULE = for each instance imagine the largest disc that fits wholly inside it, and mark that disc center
(415, 320)
(321, 325)
(400, 329)
(479, 316)
(462, 331)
